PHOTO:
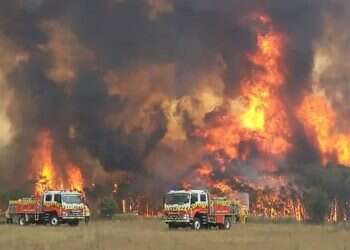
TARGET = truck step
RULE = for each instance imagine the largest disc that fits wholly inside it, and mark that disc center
(204, 220)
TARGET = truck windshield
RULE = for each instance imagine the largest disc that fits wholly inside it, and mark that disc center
(71, 199)
(178, 198)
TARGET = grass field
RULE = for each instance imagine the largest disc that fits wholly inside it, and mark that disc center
(152, 234)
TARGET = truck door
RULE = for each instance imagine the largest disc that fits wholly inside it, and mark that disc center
(48, 198)
(203, 198)
(211, 206)
(58, 198)
(47, 201)
(194, 199)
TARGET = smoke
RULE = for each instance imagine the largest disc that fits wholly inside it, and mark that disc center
(11, 57)
(125, 83)
(331, 67)
(5, 125)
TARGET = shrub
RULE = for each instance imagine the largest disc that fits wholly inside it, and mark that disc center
(108, 207)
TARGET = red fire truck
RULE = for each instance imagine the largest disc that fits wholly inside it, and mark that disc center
(198, 209)
(52, 207)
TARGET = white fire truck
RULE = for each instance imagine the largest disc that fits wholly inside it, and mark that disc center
(53, 207)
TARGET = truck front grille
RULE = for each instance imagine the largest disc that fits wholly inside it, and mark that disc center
(75, 213)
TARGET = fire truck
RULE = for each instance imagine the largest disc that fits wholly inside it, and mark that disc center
(199, 209)
(52, 207)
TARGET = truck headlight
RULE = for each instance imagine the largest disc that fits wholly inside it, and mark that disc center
(64, 213)
(185, 216)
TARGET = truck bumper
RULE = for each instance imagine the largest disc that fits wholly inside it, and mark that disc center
(73, 218)
(176, 220)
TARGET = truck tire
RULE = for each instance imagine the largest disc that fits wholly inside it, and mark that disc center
(227, 224)
(196, 224)
(204, 222)
(73, 223)
(172, 226)
(22, 221)
(54, 220)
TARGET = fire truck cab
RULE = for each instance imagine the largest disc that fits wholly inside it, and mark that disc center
(198, 209)
(53, 207)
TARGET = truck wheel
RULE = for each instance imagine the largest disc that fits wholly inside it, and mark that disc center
(227, 224)
(22, 221)
(196, 224)
(73, 223)
(54, 220)
(172, 226)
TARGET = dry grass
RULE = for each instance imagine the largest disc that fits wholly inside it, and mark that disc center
(152, 234)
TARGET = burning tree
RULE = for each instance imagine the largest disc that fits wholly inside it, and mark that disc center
(46, 171)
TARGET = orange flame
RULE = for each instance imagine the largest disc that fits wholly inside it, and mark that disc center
(223, 187)
(319, 120)
(48, 174)
(274, 205)
(204, 171)
(263, 118)
(75, 177)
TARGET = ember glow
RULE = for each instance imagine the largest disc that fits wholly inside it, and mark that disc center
(48, 174)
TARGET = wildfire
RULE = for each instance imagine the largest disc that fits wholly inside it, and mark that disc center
(274, 205)
(204, 171)
(75, 178)
(263, 119)
(48, 174)
(266, 202)
(223, 187)
(319, 120)
(260, 120)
